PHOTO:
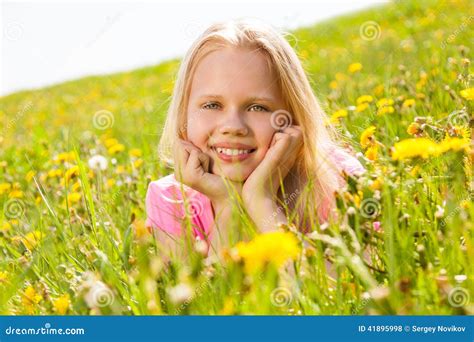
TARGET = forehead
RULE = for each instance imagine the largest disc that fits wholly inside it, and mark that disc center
(234, 70)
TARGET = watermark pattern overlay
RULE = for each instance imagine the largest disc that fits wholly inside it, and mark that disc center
(281, 297)
(370, 30)
(103, 119)
(458, 297)
(14, 208)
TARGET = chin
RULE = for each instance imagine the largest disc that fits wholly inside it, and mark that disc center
(233, 175)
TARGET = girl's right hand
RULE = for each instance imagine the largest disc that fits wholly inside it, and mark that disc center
(192, 168)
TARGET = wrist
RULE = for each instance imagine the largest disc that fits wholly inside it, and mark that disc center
(266, 214)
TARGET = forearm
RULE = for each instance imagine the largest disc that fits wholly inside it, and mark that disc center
(266, 214)
(222, 216)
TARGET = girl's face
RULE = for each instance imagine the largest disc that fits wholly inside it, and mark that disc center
(233, 94)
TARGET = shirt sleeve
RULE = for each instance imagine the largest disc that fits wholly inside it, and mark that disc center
(164, 209)
(347, 163)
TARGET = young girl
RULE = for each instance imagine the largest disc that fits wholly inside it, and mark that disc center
(244, 124)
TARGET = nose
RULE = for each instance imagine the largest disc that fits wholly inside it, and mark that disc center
(233, 124)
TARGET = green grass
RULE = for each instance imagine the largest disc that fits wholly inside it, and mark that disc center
(420, 262)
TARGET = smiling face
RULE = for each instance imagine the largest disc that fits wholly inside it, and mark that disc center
(233, 94)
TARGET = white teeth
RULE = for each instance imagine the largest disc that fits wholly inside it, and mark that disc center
(231, 152)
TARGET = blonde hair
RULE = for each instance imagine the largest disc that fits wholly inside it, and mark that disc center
(313, 167)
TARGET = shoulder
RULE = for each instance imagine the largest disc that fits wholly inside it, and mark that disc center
(168, 201)
(169, 185)
(345, 161)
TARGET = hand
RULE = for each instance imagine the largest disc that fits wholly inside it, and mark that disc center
(192, 168)
(284, 149)
(260, 189)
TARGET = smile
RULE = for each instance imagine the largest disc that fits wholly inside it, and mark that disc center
(231, 154)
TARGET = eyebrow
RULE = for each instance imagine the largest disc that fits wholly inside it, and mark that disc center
(250, 99)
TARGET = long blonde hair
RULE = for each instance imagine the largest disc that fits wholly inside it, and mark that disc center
(314, 167)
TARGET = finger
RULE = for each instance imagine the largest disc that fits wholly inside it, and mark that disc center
(294, 131)
(181, 158)
(190, 146)
(194, 164)
(204, 159)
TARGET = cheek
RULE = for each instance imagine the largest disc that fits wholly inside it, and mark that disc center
(198, 132)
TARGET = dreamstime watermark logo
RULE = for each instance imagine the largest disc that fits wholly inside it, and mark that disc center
(369, 208)
(13, 31)
(459, 118)
(193, 207)
(103, 119)
(458, 297)
(369, 30)
(12, 122)
(14, 208)
(184, 295)
(456, 32)
(46, 330)
(281, 296)
(281, 119)
(99, 295)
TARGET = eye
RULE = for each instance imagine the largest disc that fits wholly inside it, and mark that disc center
(258, 108)
(211, 105)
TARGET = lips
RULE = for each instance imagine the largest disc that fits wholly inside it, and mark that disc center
(230, 152)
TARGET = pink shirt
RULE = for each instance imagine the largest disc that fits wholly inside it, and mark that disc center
(166, 208)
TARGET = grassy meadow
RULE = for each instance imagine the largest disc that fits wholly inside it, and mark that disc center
(396, 81)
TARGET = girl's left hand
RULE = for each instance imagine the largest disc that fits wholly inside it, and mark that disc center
(264, 182)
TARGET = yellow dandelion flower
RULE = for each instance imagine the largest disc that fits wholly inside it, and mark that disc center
(71, 173)
(137, 163)
(64, 157)
(3, 277)
(6, 226)
(468, 94)
(140, 229)
(61, 304)
(408, 103)
(357, 198)
(414, 171)
(363, 106)
(372, 152)
(270, 248)
(4, 188)
(384, 102)
(333, 85)
(335, 117)
(228, 308)
(454, 144)
(55, 173)
(354, 67)
(385, 110)
(29, 176)
(411, 148)
(378, 90)
(110, 182)
(413, 128)
(376, 184)
(76, 186)
(116, 149)
(120, 169)
(15, 194)
(135, 152)
(73, 198)
(32, 239)
(367, 136)
(364, 99)
(110, 142)
(30, 299)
